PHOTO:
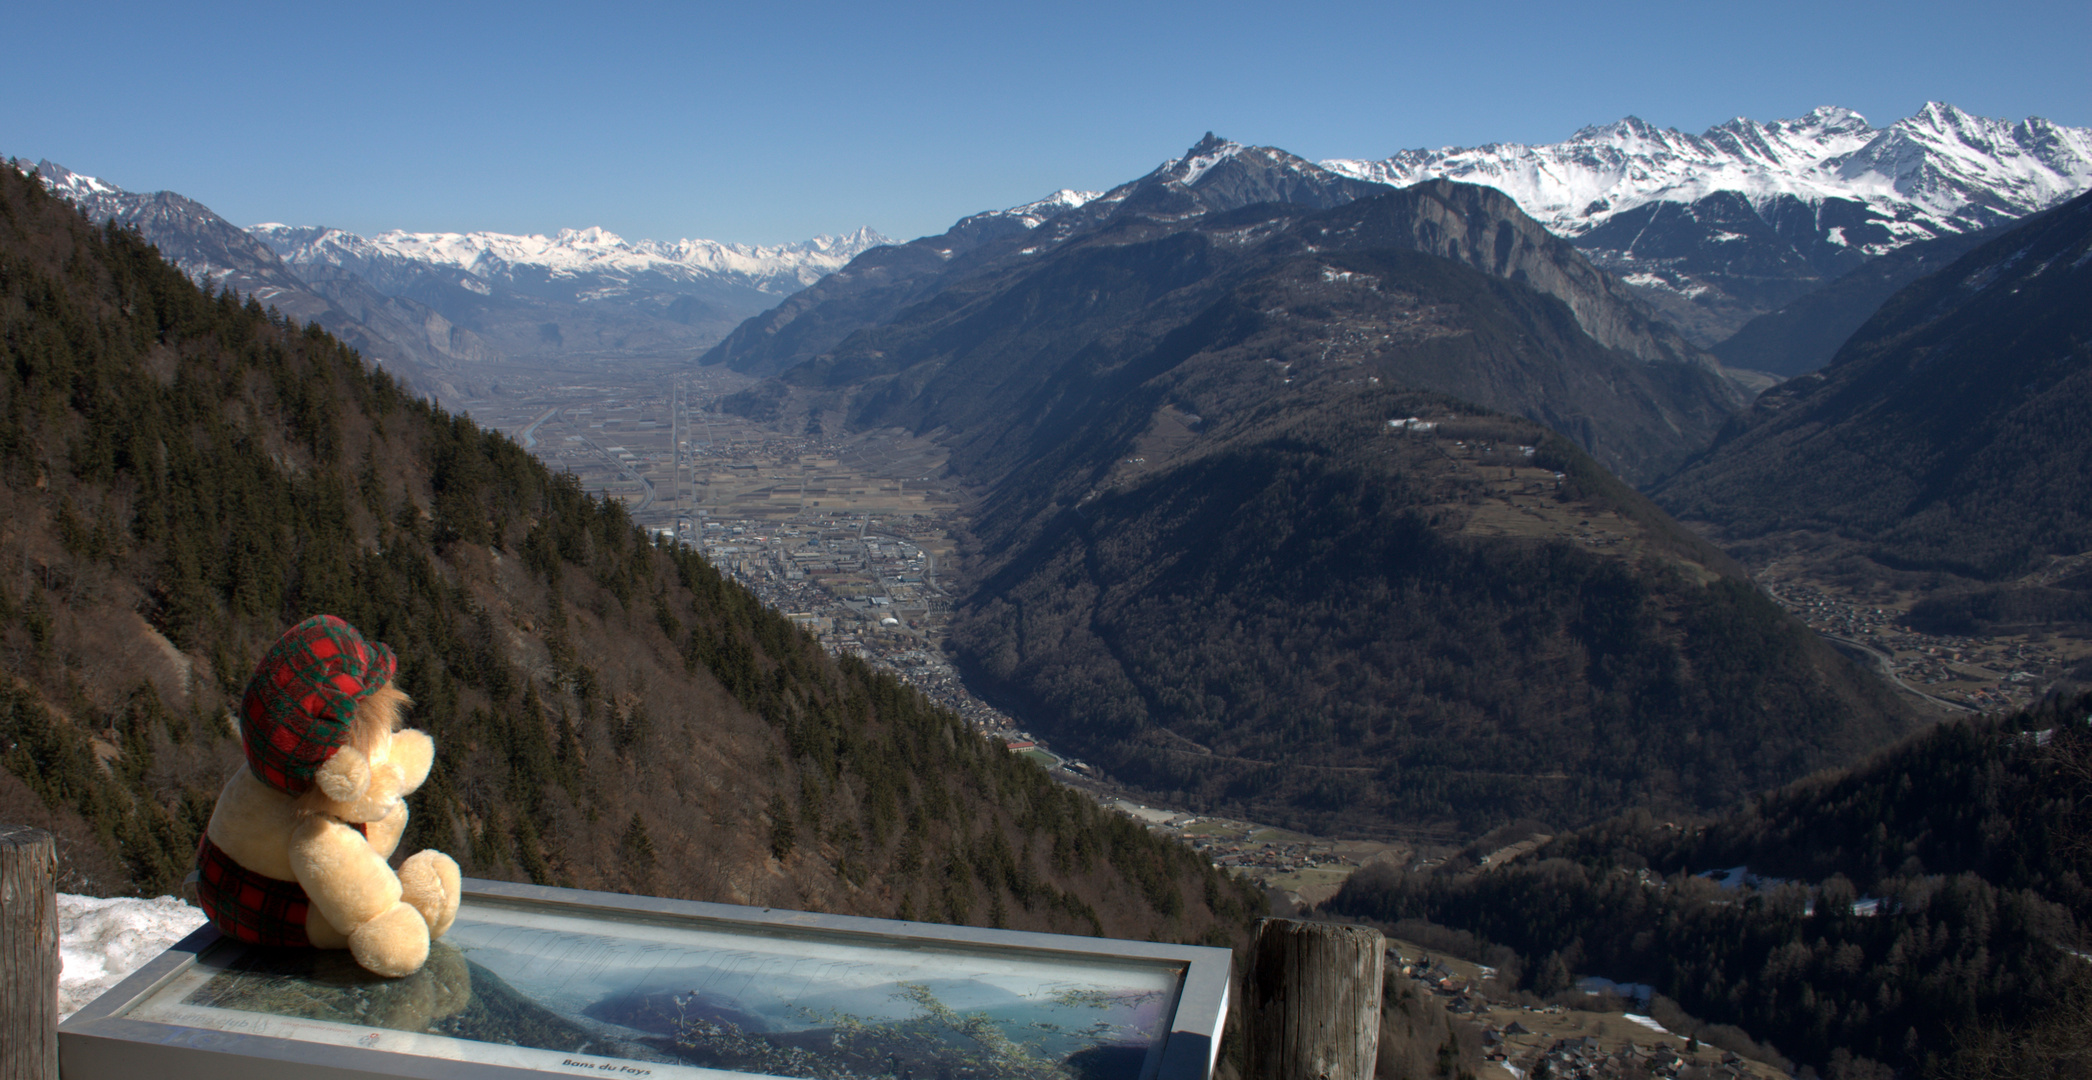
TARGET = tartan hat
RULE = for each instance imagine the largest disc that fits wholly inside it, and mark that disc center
(302, 699)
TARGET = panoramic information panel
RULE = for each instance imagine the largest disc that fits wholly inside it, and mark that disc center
(537, 981)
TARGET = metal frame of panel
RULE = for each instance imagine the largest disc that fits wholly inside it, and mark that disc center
(102, 1042)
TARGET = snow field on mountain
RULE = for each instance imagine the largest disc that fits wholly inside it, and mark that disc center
(1941, 171)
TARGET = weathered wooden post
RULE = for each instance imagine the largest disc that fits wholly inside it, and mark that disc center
(28, 954)
(1314, 1001)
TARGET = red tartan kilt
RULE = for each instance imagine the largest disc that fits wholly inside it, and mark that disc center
(248, 906)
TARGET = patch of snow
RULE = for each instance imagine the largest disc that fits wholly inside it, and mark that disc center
(1031, 215)
(101, 941)
(1189, 169)
(1647, 1022)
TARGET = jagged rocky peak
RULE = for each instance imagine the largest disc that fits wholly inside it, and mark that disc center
(1218, 174)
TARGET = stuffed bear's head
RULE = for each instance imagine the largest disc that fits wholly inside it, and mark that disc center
(367, 778)
(318, 720)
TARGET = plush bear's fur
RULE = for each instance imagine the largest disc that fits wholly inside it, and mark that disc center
(385, 920)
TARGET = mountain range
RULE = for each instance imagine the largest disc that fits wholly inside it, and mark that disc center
(581, 294)
(1252, 517)
(440, 307)
(1716, 228)
(1710, 231)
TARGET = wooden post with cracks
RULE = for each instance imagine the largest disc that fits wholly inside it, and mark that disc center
(28, 953)
(1314, 1001)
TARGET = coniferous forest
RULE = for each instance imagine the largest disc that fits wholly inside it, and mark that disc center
(1924, 912)
(183, 473)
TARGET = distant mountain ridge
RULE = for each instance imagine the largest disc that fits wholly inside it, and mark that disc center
(440, 306)
(1719, 227)
(422, 347)
(591, 258)
(1216, 176)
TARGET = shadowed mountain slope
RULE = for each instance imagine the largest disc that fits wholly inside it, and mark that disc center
(1946, 435)
(1806, 333)
(1009, 359)
(1302, 613)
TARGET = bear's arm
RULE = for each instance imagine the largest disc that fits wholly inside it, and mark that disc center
(345, 877)
(384, 833)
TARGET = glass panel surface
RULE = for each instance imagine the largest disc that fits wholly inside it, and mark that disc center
(623, 995)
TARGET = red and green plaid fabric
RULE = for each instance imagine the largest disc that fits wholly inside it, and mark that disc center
(246, 905)
(252, 907)
(303, 696)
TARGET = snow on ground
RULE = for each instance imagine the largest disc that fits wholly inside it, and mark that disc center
(100, 941)
(1647, 1022)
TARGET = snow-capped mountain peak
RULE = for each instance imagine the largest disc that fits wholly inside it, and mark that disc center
(1717, 228)
(63, 181)
(1210, 151)
(568, 254)
(1969, 168)
(1940, 171)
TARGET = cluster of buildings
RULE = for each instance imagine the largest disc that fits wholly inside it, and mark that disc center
(1584, 1059)
(1988, 674)
(1262, 859)
(863, 589)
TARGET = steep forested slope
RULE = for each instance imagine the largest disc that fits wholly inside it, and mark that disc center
(182, 474)
(1317, 618)
(1946, 435)
(1919, 911)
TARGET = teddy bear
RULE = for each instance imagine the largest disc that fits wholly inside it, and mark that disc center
(296, 851)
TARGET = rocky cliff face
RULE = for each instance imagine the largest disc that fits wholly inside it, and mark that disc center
(1484, 228)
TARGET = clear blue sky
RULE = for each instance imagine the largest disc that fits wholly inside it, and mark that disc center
(766, 122)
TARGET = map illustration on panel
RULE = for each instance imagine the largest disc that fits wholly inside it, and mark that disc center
(676, 997)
